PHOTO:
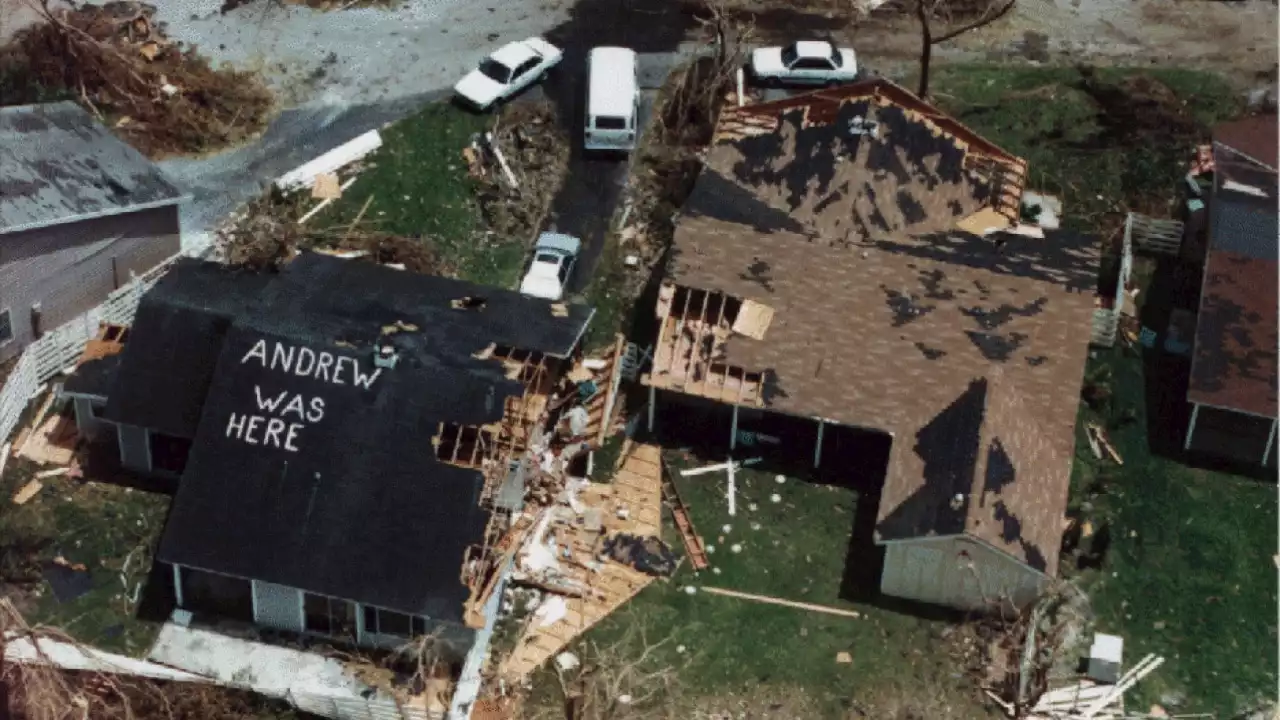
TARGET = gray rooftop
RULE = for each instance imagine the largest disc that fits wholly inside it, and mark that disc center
(59, 165)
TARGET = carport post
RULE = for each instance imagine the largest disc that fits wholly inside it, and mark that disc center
(1191, 427)
(653, 392)
(177, 585)
(733, 430)
(817, 449)
(1271, 442)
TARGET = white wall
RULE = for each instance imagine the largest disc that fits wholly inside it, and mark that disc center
(934, 570)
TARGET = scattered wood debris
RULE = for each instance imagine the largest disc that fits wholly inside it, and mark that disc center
(267, 233)
(118, 63)
(1098, 440)
(518, 168)
(769, 600)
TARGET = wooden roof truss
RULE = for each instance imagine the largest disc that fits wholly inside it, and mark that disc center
(695, 326)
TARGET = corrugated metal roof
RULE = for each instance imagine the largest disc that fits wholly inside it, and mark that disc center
(60, 165)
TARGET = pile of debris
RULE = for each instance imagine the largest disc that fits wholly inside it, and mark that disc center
(116, 61)
(518, 168)
(268, 233)
(322, 5)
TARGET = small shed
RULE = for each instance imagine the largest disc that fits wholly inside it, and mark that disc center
(80, 213)
(1233, 383)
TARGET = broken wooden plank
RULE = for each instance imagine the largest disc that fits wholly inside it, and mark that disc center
(326, 187)
(1106, 444)
(44, 474)
(769, 600)
(27, 492)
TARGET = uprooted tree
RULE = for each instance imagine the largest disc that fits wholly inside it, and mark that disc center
(115, 61)
(950, 19)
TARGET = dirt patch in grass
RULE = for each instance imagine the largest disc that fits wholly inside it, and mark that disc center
(117, 62)
(323, 5)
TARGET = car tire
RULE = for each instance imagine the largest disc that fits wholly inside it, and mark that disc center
(773, 82)
(832, 83)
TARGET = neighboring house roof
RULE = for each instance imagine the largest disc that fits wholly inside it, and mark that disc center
(1255, 137)
(885, 316)
(60, 165)
(1234, 362)
(363, 496)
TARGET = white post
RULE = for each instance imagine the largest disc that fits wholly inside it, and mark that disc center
(817, 450)
(741, 89)
(733, 488)
(1271, 442)
(177, 585)
(1191, 426)
(653, 393)
(733, 432)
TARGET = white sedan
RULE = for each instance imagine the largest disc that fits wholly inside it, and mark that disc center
(554, 256)
(815, 62)
(510, 69)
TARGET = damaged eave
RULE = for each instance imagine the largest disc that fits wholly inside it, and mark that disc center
(695, 326)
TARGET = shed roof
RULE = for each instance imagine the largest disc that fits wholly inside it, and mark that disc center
(341, 504)
(60, 165)
(1234, 362)
(1255, 137)
(885, 316)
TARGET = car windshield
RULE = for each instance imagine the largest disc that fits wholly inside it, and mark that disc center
(606, 122)
(546, 257)
(789, 55)
(495, 70)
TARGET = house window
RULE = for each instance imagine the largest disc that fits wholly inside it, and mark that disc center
(328, 616)
(386, 622)
(6, 326)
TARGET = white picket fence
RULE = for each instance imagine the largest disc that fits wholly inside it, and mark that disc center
(57, 350)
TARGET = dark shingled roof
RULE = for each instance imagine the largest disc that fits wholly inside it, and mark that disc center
(887, 317)
(361, 510)
(60, 165)
(93, 377)
(1234, 362)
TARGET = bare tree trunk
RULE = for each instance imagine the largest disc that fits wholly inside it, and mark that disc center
(926, 48)
(926, 8)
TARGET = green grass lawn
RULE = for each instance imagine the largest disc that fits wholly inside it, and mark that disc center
(418, 186)
(93, 524)
(1189, 574)
(793, 549)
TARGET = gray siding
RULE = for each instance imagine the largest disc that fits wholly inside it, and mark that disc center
(70, 268)
(135, 447)
(933, 570)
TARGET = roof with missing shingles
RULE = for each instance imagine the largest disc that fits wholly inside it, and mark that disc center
(969, 350)
(59, 165)
(1234, 362)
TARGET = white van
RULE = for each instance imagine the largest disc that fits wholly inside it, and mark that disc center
(613, 99)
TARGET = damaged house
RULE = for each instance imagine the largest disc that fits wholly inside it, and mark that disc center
(81, 212)
(852, 262)
(344, 441)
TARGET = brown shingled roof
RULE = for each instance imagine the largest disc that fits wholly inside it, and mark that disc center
(1234, 362)
(1255, 136)
(886, 317)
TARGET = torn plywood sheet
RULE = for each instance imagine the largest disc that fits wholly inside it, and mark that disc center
(630, 503)
(53, 443)
(326, 187)
(753, 319)
(984, 222)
